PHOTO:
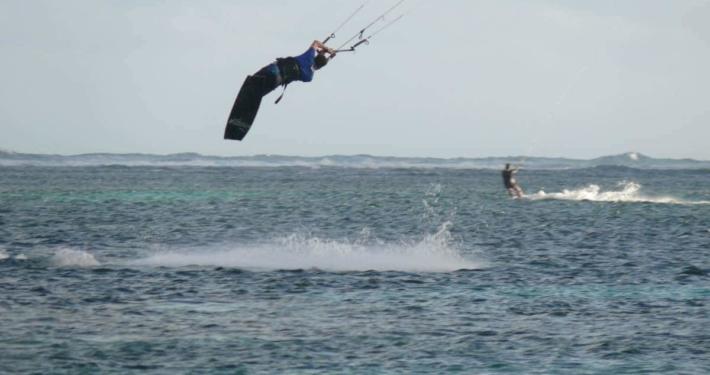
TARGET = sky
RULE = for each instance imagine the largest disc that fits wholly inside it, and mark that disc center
(452, 78)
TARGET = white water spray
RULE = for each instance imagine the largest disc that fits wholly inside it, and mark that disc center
(434, 253)
(630, 192)
(73, 258)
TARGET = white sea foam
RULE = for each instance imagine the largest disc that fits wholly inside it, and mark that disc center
(73, 258)
(433, 254)
(630, 192)
(3, 254)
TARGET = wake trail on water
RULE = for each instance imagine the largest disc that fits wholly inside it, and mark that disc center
(61, 257)
(630, 192)
(432, 254)
(67, 257)
(293, 252)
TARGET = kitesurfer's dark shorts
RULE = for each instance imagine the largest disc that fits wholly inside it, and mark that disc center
(270, 76)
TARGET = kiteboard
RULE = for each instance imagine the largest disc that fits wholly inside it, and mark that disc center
(246, 106)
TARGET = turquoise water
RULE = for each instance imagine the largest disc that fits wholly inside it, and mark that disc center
(322, 270)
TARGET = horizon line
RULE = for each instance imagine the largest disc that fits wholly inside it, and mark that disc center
(633, 155)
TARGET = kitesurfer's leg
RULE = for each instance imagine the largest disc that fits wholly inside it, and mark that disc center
(269, 79)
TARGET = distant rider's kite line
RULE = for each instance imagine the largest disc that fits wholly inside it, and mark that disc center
(289, 69)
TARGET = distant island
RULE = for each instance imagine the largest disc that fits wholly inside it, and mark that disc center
(627, 160)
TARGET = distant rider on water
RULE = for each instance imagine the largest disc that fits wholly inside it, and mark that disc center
(509, 182)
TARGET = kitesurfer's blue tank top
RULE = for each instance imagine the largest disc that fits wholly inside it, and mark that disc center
(305, 64)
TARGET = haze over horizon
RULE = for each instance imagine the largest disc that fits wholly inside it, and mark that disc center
(462, 78)
(632, 155)
(627, 158)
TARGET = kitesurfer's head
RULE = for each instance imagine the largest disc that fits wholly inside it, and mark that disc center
(507, 165)
(320, 61)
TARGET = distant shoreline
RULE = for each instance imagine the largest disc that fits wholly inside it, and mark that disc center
(629, 160)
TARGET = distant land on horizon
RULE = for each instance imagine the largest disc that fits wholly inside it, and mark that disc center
(629, 159)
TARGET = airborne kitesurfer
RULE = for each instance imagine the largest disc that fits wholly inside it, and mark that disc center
(509, 182)
(295, 68)
(279, 73)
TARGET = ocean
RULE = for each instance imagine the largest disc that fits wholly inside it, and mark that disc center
(381, 266)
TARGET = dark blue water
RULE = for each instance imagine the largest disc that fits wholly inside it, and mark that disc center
(114, 269)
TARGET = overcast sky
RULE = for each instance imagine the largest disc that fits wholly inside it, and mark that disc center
(454, 78)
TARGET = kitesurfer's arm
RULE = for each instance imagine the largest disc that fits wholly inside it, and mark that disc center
(320, 47)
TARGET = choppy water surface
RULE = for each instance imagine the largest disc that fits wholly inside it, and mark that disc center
(353, 270)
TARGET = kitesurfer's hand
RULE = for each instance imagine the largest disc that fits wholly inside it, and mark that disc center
(318, 46)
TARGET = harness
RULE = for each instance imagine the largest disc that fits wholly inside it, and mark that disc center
(289, 70)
